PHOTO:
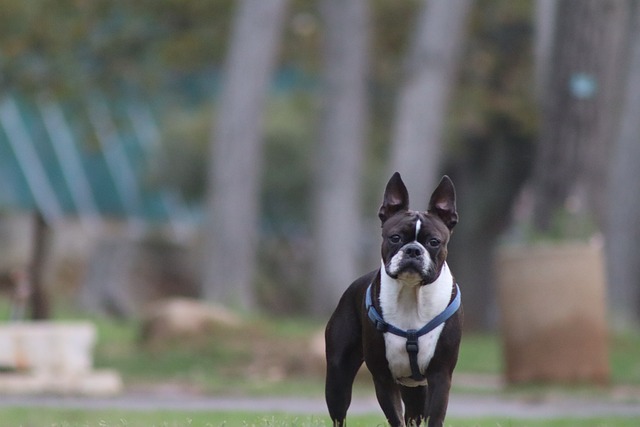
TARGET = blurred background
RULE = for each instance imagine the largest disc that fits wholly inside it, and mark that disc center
(237, 151)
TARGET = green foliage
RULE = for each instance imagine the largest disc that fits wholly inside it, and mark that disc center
(186, 140)
(71, 45)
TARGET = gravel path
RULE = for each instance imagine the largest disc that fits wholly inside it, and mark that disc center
(460, 406)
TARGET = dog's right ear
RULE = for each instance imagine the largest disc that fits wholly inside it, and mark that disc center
(396, 198)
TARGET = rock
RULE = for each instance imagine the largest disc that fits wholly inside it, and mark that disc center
(177, 318)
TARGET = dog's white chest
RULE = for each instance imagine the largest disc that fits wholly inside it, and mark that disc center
(398, 358)
(411, 307)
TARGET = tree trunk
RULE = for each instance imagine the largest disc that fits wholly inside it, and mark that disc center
(579, 114)
(340, 150)
(39, 299)
(236, 153)
(623, 221)
(545, 27)
(422, 105)
(488, 178)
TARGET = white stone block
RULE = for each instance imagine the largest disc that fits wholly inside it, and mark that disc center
(50, 347)
(52, 358)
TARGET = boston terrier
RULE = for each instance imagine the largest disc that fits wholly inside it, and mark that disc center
(403, 320)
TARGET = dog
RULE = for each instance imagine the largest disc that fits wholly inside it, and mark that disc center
(403, 320)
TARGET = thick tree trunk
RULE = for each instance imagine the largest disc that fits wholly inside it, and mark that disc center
(623, 220)
(545, 27)
(488, 177)
(236, 153)
(428, 79)
(39, 299)
(340, 150)
(580, 111)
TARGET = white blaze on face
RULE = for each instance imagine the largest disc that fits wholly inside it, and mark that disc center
(418, 226)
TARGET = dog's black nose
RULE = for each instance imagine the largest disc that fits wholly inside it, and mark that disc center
(412, 251)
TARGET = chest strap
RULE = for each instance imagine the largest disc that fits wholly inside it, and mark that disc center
(411, 335)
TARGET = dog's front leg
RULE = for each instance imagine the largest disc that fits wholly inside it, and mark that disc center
(388, 394)
(415, 404)
(438, 397)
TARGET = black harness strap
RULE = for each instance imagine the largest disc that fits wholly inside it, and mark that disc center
(412, 335)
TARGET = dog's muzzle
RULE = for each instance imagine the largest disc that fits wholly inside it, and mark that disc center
(411, 259)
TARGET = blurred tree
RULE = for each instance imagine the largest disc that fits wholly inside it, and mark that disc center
(428, 78)
(236, 153)
(623, 200)
(340, 150)
(490, 155)
(580, 107)
(545, 23)
(39, 298)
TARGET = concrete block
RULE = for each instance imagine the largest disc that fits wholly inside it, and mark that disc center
(52, 357)
(52, 347)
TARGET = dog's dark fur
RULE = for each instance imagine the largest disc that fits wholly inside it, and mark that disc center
(352, 339)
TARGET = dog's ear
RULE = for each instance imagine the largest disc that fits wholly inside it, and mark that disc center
(443, 202)
(396, 198)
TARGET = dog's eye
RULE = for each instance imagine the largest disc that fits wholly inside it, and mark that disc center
(434, 243)
(395, 239)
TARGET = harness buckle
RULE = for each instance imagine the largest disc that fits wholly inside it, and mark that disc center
(412, 341)
(381, 326)
(378, 323)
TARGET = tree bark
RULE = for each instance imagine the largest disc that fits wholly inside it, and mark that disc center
(545, 23)
(236, 153)
(40, 308)
(488, 178)
(340, 150)
(579, 114)
(428, 79)
(623, 221)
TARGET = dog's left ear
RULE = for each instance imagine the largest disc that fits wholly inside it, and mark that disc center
(443, 202)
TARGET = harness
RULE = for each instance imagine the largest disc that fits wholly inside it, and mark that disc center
(411, 335)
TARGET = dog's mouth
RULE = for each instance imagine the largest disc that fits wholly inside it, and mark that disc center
(411, 271)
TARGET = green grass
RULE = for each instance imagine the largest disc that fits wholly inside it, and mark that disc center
(265, 357)
(625, 359)
(22, 417)
(480, 353)
(236, 362)
(271, 356)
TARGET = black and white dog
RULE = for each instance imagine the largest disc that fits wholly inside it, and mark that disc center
(403, 320)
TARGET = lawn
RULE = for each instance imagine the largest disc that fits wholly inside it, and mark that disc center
(270, 356)
(20, 417)
(65, 418)
(276, 356)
